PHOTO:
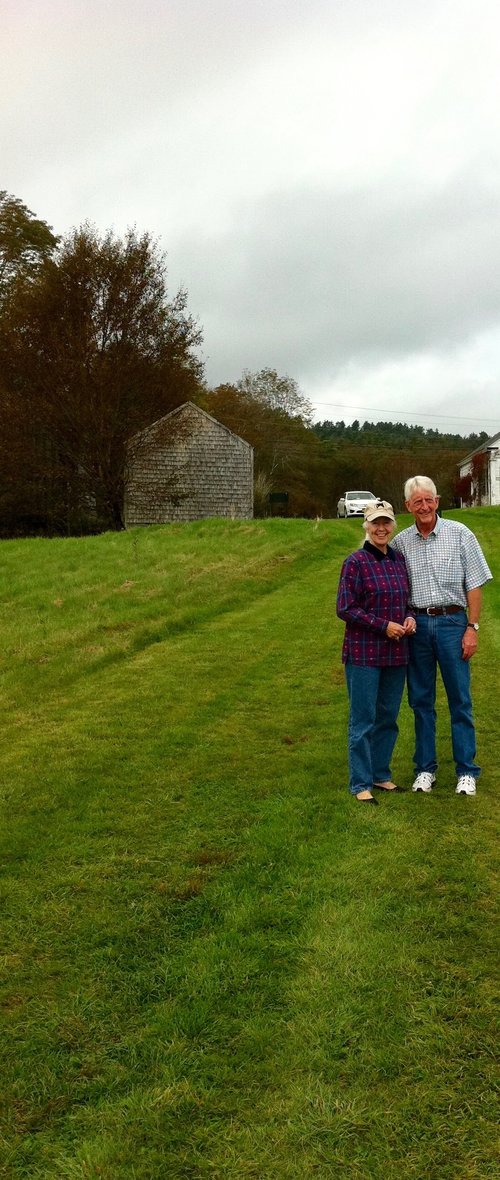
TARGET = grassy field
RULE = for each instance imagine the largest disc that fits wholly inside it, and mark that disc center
(215, 963)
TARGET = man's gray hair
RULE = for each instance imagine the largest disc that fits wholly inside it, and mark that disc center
(419, 481)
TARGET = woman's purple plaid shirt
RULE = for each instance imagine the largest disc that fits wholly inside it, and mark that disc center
(373, 591)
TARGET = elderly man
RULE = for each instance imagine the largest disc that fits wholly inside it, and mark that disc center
(447, 569)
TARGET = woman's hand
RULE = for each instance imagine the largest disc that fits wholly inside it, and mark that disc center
(409, 626)
(394, 631)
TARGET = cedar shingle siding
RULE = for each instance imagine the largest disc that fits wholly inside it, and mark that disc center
(187, 466)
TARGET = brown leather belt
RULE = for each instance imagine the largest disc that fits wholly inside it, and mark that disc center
(437, 610)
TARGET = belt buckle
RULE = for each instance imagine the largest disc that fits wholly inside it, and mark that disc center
(429, 610)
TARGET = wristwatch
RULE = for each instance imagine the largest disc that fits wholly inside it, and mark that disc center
(475, 626)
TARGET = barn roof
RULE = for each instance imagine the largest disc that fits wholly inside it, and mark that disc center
(178, 410)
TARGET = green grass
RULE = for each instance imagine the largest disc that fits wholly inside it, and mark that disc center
(216, 964)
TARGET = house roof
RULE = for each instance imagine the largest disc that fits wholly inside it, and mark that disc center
(178, 410)
(490, 442)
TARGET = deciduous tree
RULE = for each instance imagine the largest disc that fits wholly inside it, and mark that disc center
(277, 392)
(288, 456)
(25, 241)
(91, 351)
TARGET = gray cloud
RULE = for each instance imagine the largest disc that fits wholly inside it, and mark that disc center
(325, 178)
(322, 279)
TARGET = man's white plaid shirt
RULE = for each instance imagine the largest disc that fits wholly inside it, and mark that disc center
(443, 566)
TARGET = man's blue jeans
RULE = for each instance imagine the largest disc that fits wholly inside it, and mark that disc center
(374, 700)
(438, 643)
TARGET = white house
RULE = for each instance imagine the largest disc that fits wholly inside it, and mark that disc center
(483, 468)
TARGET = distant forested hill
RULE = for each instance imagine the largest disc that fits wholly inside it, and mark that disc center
(397, 435)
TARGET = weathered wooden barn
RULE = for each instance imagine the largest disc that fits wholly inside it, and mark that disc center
(187, 466)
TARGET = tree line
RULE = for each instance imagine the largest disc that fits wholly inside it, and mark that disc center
(93, 348)
(396, 434)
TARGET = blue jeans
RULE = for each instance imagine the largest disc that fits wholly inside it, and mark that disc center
(438, 643)
(374, 700)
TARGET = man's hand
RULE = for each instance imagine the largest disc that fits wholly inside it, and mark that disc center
(469, 643)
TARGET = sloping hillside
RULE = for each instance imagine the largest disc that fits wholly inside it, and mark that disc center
(214, 965)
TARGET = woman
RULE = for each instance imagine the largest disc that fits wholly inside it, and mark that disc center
(372, 599)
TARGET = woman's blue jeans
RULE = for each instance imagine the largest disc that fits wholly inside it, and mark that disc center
(438, 643)
(374, 700)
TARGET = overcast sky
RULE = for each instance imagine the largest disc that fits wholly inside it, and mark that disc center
(324, 176)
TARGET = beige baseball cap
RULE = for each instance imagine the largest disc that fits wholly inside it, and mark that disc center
(379, 508)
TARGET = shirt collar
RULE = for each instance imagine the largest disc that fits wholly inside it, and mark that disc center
(438, 525)
(391, 554)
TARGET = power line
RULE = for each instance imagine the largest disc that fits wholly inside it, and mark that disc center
(403, 413)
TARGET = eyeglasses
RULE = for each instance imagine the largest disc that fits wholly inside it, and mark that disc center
(423, 503)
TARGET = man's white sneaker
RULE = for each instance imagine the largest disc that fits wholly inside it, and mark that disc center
(424, 781)
(466, 785)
